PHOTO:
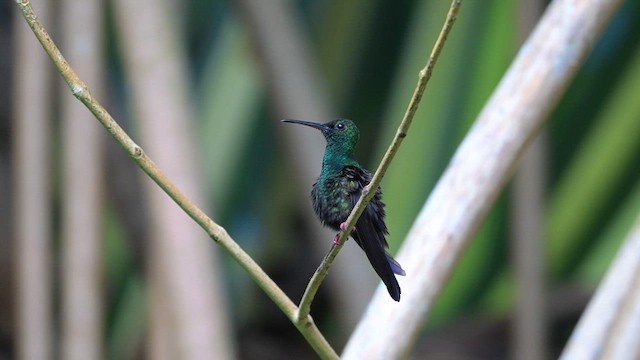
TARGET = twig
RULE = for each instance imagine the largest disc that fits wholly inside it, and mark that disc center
(80, 90)
(367, 194)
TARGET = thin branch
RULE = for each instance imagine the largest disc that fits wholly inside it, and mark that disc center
(367, 194)
(80, 90)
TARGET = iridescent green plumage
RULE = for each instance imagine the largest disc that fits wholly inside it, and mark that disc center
(337, 190)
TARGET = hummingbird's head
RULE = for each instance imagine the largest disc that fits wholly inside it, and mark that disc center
(342, 133)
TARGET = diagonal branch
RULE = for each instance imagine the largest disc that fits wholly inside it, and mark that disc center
(367, 194)
(80, 90)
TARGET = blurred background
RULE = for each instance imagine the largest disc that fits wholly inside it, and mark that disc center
(96, 262)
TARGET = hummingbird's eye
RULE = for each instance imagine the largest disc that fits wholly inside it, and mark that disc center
(339, 126)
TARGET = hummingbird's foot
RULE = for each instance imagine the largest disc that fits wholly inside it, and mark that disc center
(344, 225)
(336, 240)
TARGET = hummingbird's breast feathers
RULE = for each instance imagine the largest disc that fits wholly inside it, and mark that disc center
(334, 195)
(332, 199)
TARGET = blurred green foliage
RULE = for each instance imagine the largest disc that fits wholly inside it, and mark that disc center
(369, 54)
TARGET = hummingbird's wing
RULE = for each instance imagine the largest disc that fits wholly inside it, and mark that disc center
(370, 231)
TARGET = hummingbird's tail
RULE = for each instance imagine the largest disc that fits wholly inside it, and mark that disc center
(395, 265)
(371, 240)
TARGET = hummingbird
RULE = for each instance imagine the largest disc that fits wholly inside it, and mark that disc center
(337, 190)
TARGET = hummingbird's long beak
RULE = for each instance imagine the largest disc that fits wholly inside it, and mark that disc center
(321, 127)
